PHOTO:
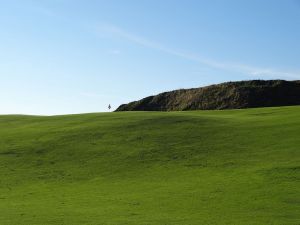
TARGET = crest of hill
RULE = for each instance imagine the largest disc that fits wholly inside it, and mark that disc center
(229, 95)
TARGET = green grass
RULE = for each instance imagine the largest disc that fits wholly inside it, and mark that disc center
(232, 167)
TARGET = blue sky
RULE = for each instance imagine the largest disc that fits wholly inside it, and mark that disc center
(71, 56)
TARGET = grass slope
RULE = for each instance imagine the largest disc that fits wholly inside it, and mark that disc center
(232, 167)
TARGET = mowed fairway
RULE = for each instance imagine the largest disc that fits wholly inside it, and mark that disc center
(152, 168)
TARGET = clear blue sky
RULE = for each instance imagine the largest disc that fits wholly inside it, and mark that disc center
(71, 56)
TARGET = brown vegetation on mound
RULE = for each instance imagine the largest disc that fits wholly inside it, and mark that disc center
(230, 95)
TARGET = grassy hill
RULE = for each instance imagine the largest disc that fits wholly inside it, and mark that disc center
(230, 95)
(232, 167)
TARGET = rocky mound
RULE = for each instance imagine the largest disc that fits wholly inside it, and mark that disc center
(230, 95)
